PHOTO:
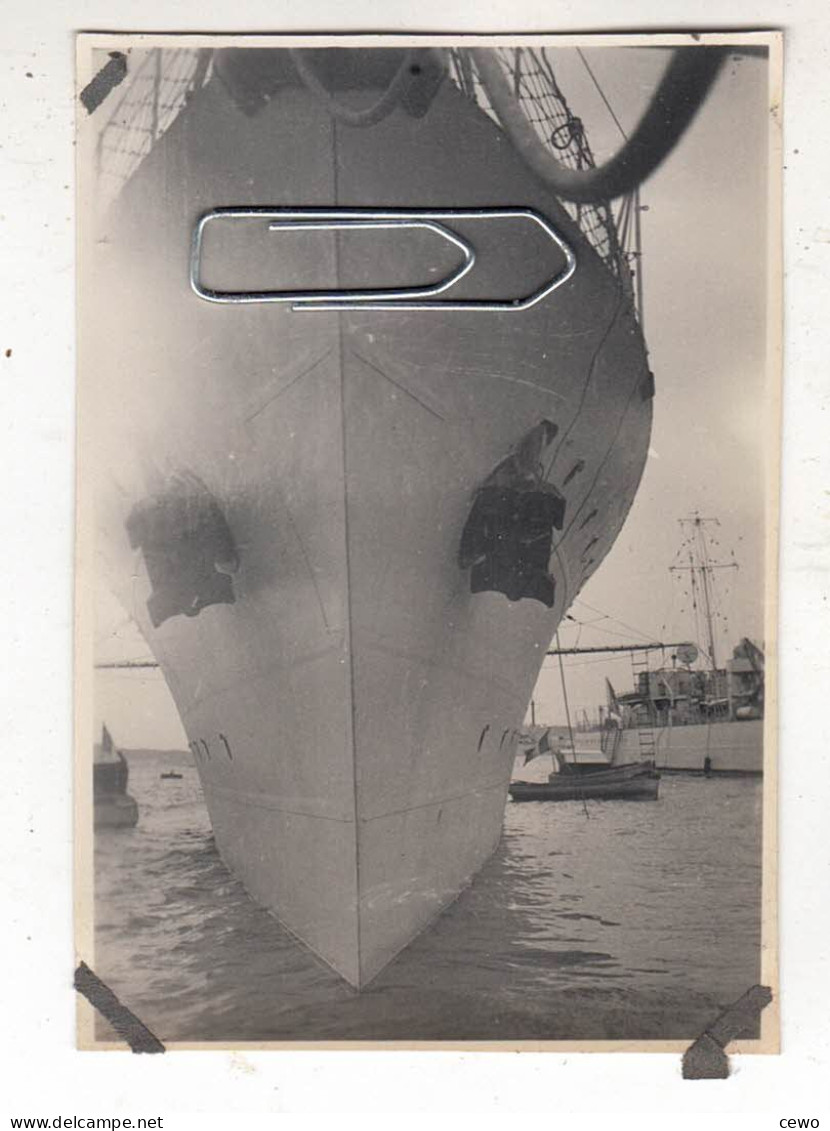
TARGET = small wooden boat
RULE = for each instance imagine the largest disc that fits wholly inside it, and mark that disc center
(633, 782)
(169, 774)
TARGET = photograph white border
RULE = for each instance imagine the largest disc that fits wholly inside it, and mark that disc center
(40, 1058)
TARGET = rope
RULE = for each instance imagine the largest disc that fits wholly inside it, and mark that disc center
(568, 717)
(638, 632)
(371, 115)
(601, 93)
(677, 99)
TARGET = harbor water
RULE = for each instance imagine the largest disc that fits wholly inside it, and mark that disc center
(604, 921)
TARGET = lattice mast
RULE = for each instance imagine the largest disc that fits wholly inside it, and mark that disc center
(702, 574)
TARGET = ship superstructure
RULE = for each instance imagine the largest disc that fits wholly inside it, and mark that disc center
(706, 719)
(681, 717)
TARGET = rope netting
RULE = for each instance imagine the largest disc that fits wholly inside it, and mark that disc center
(533, 82)
(157, 88)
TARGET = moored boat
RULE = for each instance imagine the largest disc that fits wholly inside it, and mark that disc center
(689, 713)
(637, 781)
(706, 719)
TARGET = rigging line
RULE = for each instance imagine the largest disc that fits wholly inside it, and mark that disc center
(586, 623)
(567, 708)
(616, 620)
(549, 72)
(597, 626)
(619, 635)
(629, 630)
(601, 93)
(624, 221)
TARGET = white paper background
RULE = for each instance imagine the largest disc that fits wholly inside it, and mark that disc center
(43, 1073)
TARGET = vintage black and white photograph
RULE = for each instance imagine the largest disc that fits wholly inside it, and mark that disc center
(428, 479)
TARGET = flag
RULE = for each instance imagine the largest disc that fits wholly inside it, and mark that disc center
(106, 741)
(667, 687)
(613, 705)
(615, 715)
(543, 746)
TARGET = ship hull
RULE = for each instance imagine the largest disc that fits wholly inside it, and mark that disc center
(735, 748)
(354, 711)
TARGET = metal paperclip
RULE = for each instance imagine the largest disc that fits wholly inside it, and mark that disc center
(413, 298)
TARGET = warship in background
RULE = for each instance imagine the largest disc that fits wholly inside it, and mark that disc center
(710, 719)
(346, 504)
(679, 718)
(707, 721)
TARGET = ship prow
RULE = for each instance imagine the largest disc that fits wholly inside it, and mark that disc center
(355, 892)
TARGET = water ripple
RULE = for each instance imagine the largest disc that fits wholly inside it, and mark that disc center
(652, 924)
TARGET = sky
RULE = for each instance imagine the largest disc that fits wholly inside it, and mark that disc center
(704, 254)
(704, 257)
